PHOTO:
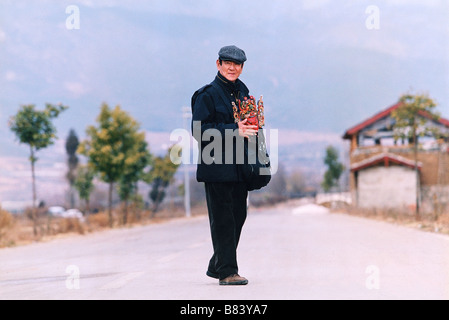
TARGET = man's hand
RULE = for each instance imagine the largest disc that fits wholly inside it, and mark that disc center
(246, 130)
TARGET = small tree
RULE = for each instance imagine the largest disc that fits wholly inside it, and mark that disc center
(278, 184)
(334, 169)
(412, 119)
(35, 128)
(160, 176)
(112, 147)
(71, 145)
(83, 183)
(296, 183)
(133, 172)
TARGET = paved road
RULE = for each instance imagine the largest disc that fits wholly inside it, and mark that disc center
(285, 254)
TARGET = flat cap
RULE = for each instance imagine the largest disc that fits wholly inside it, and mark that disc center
(232, 53)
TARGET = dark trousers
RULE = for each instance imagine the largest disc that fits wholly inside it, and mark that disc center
(227, 206)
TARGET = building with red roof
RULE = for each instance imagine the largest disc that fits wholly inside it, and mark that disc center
(383, 172)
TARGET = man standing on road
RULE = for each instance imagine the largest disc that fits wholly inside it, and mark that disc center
(226, 192)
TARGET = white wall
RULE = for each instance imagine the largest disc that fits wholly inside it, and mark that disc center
(388, 187)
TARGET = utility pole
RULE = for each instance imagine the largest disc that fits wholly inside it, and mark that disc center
(186, 112)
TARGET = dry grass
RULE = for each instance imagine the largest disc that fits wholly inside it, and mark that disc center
(426, 221)
(98, 221)
(17, 230)
(6, 223)
(70, 225)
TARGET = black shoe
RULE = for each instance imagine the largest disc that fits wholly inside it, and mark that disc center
(233, 280)
(212, 274)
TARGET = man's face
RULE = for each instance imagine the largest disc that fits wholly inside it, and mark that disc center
(230, 70)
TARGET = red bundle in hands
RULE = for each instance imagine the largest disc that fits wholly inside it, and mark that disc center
(249, 109)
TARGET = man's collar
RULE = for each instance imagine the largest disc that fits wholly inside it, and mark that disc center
(232, 86)
(222, 78)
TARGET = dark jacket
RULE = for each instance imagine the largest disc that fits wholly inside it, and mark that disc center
(212, 107)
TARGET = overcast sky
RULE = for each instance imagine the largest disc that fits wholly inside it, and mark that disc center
(317, 64)
(322, 66)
